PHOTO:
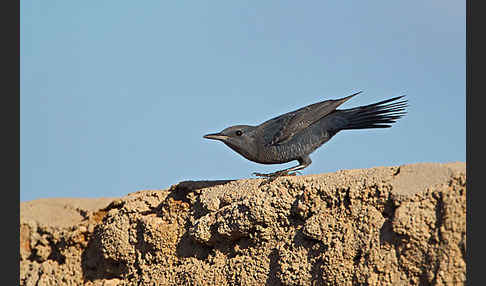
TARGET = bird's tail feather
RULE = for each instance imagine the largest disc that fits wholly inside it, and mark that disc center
(377, 115)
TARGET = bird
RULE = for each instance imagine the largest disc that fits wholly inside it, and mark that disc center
(296, 134)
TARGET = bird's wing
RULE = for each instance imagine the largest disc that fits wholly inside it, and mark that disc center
(282, 128)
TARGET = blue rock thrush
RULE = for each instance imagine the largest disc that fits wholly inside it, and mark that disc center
(294, 135)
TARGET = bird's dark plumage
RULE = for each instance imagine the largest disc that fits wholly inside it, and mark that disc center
(294, 135)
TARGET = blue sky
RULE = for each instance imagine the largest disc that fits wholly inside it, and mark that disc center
(116, 95)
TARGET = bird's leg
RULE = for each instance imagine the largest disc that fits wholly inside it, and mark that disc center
(303, 162)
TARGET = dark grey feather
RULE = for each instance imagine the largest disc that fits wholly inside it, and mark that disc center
(282, 128)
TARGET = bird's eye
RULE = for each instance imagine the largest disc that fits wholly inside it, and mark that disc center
(238, 132)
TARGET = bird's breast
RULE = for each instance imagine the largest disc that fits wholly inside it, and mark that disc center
(301, 144)
(277, 154)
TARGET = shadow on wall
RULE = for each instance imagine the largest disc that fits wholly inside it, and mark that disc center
(96, 265)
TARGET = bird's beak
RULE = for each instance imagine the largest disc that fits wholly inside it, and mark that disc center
(215, 136)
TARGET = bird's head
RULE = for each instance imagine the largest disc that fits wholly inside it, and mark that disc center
(240, 138)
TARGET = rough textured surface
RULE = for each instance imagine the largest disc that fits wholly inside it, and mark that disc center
(401, 225)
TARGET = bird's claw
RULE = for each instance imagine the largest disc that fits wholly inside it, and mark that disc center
(276, 174)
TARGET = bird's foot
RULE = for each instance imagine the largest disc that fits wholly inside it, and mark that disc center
(276, 174)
